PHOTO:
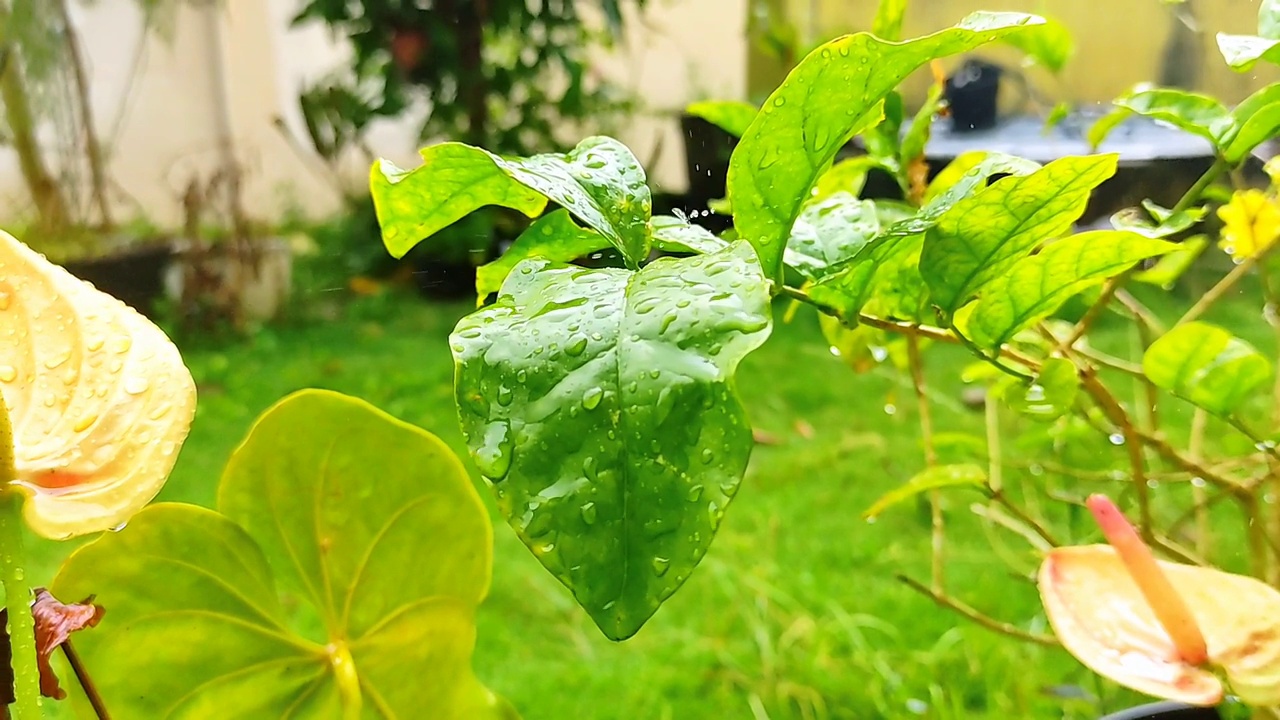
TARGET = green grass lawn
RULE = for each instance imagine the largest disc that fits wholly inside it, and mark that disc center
(795, 612)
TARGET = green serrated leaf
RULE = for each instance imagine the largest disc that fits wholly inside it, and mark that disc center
(982, 237)
(328, 501)
(732, 116)
(1174, 265)
(600, 404)
(554, 236)
(673, 234)
(1049, 45)
(934, 478)
(600, 182)
(833, 94)
(1206, 366)
(887, 24)
(1193, 112)
(1053, 393)
(1166, 222)
(830, 231)
(1036, 286)
(1255, 120)
(1242, 52)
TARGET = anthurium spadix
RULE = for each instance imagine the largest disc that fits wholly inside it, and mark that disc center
(97, 396)
(1169, 630)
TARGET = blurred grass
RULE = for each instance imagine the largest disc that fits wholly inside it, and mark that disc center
(794, 613)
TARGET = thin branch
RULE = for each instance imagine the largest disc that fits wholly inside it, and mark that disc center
(985, 621)
(1133, 445)
(1221, 288)
(1022, 515)
(938, 529)
(86, 682)
(1195, 449)
(1195, 191)
(1140, 312)
(1094, 311)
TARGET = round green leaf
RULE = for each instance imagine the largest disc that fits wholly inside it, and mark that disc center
(600, 404)
(341, 580)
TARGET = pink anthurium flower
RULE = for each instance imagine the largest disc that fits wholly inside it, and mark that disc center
(98, 397)
(1161, 628)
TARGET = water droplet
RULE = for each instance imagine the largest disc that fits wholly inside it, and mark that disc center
(890, 409)
(591, 398)
(522, 376)
(505, 395)
(1116, 439)
(1198, 482)
(576, 346)
(8, 373)
(85, 423)
(136, 385)
(57, 360)
(660, 565)
(589, 513)
(695, 493)
(493, 458)
(5, 299)
(589, 468)
(779, 101)
(707, 456)
(121, 344)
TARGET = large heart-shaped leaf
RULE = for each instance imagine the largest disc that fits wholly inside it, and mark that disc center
(600, 404)
(1038, 285)
(833, 94)
(341, 580)
(555, 236)
(1207, 366)
(599, 181)
(1102, 618)
(97, 395)
(981, 237)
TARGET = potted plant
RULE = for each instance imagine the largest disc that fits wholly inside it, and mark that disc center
(74, 222)
(487, 72)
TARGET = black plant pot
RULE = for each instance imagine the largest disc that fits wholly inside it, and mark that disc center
(134, 276)
(1166, 711)
(707, 152)
(972, 94)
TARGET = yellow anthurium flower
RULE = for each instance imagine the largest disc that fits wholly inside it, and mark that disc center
(98, 397)
(1251, 223)
(1162, 628)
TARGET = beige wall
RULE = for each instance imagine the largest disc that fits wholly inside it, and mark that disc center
(238, 68)
(1118, 42)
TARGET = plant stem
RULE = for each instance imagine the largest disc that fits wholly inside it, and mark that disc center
(1095, 310)
(995, 469)
(1217, 291)
(1195, 450)
(1133, 445)
(86, 682)
(22, 630)
(1195, 191)
(985, 621)
(938, 532)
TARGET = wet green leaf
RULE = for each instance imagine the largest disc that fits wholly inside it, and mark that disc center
(848, 176)
(851, 285)
(861, 347)
(833, 94)
(1036, 286)
(1242, 52)
(1052, 394)
(1099, 131)
(917, 135)
(830, 231)
(981, 237)
(554, 236)
(1206, 366)
(600, 404)
(732, 116)
(600, 182)
(887, 24)
(1193, 112)
(1269, 19)
(1255, 120)
(1174, 265)
(934, 478)
(967, 174)
(672, 234)
(1153, 221)
(1049, 45)
(367, 526)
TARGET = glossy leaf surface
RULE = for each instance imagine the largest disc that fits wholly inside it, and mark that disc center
(1038, 285)
(732, 116)
(1254, 121)
(1101, 617)
(673, 234)
(982, 237)
(1196, 113)
(1242, 52)
(830, 231)
(600, 182)
(834, 93)
(97, 395)
(600, 404)
(554, 236)
(1207, 366)
(341, 580)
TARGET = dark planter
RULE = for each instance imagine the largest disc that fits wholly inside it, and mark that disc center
(135, 276)
(972, 94)
(707, 152)
(1165, 711)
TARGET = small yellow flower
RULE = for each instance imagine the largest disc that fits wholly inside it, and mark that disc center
(97, 395)
(1251, 223)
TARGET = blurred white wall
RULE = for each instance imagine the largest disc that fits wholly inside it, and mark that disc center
(163, 105)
